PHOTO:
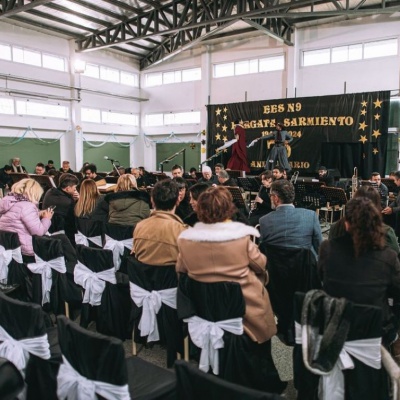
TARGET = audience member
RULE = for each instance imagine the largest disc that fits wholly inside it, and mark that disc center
(90, 172)
(325, 177)
(184, 208)
(50, 165)
(64, 198)
(262, 202)
(288, 226)
(194, 193)
(217, 249)
(279, 173)
(40, 169)
(338, 229)
(358, 265)
(19, 213)
(17, 167)
(66, 168)
(208, 177)
(224, 179)
(155, 238)
(5, 179)
(128, 205)
(91, 204)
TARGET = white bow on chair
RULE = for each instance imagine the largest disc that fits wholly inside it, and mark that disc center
(72, 385)
(80, 238)
(209, 337)
(5, 258)
(93, 282)
(17, 351)
(151, 304)
(118, 249)
(44, 268)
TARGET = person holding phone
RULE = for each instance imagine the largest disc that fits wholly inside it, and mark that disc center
(19, 213)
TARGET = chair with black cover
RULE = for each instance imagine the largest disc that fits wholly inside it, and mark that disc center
(49, 281)
(28, 341)
(95, 364)
(119, 239)
(153, 290)
(338, 349)
(12, 271)
(11, 380)
(90, 233)
(193, 384)
(290, 270)
(214, 313)
(105, 300)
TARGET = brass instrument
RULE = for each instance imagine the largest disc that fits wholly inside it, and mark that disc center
(294, 177)
(354, 183)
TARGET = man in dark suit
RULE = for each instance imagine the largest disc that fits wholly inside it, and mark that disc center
(289, 226)
(325, 177)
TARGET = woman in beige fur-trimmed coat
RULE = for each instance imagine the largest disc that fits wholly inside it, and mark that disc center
(218, 249)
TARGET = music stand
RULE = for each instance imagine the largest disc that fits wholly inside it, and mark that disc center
(45, 181)
(335, 201)
(17, 176)
(79, 175)
(111, 179)
(237, 197)
(392, 187)
(308, 195)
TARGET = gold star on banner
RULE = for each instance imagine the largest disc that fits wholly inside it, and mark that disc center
(363, 111)
(376, 133)
(363, 125)
(225, 138)
(377, 116)
(217, 136)
(218, 125)
(218, 111)
(224, 128)
(225, 110)
(225, 117)
(364, 104)
(363, 139)
(378, 103)
(375, 151)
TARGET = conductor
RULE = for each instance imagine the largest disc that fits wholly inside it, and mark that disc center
(278, 152)
(238, 160)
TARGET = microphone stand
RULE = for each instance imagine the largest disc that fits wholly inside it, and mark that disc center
(114, 166)
(210, 158)
(170, 158)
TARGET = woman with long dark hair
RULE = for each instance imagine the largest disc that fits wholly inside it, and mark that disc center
(359, 265)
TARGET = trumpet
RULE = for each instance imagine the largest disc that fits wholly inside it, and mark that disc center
(354, 182)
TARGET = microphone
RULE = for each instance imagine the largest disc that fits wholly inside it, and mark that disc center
(110, 159)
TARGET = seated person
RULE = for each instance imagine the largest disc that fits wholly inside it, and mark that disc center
(325, 177)
(382, 189)
(155, 238)
(5, 180)
(40, 169)
(66, 169)
(127, 205)
(184, 208)
(192, 173)
(90, 172)
(17, 167)
(262, 202)
(208, 177)
(279, 173)
(194, 193)
(50, 165)
(91, 204)
(224, 179)
(218, 167)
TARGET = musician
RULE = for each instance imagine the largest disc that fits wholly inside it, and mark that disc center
(238, 160)
(381, 188)
(278, 152)
(17, 167)
(325, 177)
(262, 205)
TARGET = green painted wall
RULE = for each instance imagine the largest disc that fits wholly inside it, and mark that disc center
(113, 150)
(165, 150)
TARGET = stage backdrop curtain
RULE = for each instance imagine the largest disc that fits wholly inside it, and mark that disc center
(354, 125)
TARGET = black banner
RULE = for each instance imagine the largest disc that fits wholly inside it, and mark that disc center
(340, 131)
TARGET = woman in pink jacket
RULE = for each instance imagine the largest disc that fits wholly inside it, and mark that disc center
(19, 213)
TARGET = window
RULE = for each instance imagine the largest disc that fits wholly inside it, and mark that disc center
(191, 117)
(245, 67)
(91, 115)
(41, 109)
(154, 120)
(6, 106)
(92, 70)
(108, 117)
(129, 79)
(54, 62)
(109, 74)
(27, 56)
(5, 52)
(358, 51)
(165, 78)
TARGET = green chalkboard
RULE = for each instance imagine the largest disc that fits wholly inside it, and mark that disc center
(113, 150)
(30, 151)
(166, 150)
